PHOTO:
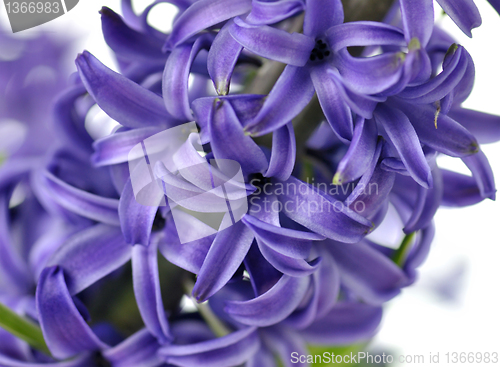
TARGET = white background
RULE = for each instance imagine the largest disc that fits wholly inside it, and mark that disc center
(465, 252)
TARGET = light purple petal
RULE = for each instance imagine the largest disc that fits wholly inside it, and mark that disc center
(147, 290)
(68, 122)
(64, 329)
(367, 272)
(369, 75)
(188, 256)
(115, 148)
(83, 203)
(482, 173)
(428, 202)
(284, 342)
(405, 139)
(222, 58)
(347, 323)
(273, 306)
(90, 255)
(272, 12)
(291, 93)
(321, 15)
(484, 126)
(321, 213)
(225, 127)
(263, 275)
(81, 361)
(463, 12)
(326, 283)
(364, 33)
(459, 190)
(283, 153)
(418, 20)
(122, 99)
(337, 112)
(127, 42)
(136, 220)
(227, 351)
(419, 252)
(441, 85)
(12, 266)
(288, 265)
(370, 194)
(139, 349)
(204, 14)
(272, 43)
(449, 138)
(175, 83)
(223, 259)
(360, 153)
(289, 242)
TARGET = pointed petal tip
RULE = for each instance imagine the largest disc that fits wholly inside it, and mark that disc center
(105, 11)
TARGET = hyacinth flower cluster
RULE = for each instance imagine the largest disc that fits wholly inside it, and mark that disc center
(300, 128)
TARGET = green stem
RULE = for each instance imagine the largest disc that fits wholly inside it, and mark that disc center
(401, 253)
(23, 329)
(213, 322)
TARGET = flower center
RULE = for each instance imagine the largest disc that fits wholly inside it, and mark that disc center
(159, 222)
(320, 51)
(258, 180)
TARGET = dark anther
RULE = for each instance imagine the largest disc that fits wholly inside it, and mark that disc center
(100, 361)
(158, 222)
(320, 51)
(258, 180)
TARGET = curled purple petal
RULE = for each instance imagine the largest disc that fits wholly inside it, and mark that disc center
(364, 33)
(463, 12)
(147, 290)
(227, 351)
(273, 306)
(204, 14)
(482, 173)
(291, 93)
(347, 323)
(122, 99)
(418, 20)
(64, 329)
(271, 12)
(140, 349)
(272, 43)
(283, 153)
(87, 205)
(320, 16)
(222, 58)
(223, 259)
(360, 152)
(89, 255)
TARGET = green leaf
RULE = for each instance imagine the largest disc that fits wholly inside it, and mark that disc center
(23, 329)
(316, 350)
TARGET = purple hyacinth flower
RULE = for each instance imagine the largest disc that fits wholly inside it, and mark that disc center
(312, 59)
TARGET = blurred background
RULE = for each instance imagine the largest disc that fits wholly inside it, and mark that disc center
(454, 306)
